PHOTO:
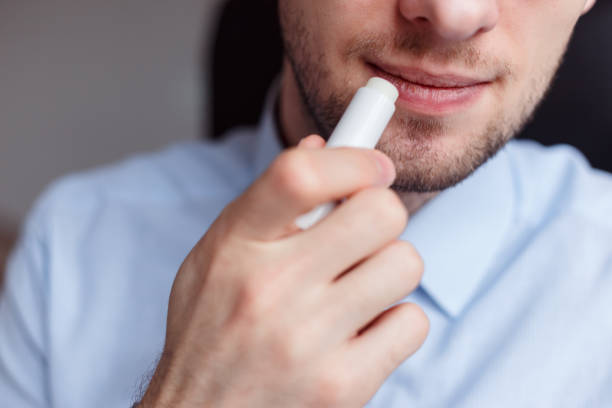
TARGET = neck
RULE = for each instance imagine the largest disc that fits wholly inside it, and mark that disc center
(295, 122)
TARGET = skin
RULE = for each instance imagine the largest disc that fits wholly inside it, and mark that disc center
(262, 314)
(507, 41)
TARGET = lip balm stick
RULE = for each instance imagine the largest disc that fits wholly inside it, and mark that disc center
(362, 125)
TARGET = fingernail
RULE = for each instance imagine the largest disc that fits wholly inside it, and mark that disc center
(386, 169)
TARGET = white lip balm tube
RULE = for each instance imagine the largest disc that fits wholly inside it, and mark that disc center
(362, 125)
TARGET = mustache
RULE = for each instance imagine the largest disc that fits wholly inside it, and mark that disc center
(424, 47)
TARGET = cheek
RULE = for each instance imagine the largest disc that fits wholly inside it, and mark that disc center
(540, 29)
(535, 34)
(341, 22)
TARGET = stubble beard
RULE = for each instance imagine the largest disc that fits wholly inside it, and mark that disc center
(409, 139)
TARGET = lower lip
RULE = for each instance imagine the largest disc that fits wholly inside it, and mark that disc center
(429, 100)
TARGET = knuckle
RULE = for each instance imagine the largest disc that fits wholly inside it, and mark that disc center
(415, 264)
(294, 173)
(405, 255)
(412, 329)
(252, 306)
(368, 168)
(401, 249)
(332, 389)
(389, 209)
(419, 265)
(419, 322)
(289, 348)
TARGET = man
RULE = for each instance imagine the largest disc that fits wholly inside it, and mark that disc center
(494, 293)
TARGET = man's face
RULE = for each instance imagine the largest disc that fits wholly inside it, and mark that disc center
(470, 72)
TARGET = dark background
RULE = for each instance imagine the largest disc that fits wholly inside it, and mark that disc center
(577, 111)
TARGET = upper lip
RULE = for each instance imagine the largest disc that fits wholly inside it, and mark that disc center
(438, 80)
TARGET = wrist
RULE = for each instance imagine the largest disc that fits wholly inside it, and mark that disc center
(154, 393)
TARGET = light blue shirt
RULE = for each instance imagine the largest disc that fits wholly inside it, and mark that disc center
(517, 283)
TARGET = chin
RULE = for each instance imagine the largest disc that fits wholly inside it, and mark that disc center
(431, 157)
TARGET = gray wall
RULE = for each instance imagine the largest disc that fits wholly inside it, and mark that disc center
(85, 82)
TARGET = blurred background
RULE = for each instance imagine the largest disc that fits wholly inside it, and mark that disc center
(87, 82)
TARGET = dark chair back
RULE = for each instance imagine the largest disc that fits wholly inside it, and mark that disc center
(247, 56)
(578, 109)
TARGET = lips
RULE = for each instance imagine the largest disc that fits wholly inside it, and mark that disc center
(424, 93)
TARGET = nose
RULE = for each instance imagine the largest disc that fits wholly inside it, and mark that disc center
(454, 20)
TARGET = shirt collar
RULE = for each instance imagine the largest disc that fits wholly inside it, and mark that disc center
(458, 234)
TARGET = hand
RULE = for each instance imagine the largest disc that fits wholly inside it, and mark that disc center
(262, 314)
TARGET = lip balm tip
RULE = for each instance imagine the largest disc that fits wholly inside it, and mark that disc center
(385, 87)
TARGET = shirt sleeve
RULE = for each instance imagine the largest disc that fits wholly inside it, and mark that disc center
(23, 380)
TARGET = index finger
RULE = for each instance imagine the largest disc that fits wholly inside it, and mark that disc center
(299, 180)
